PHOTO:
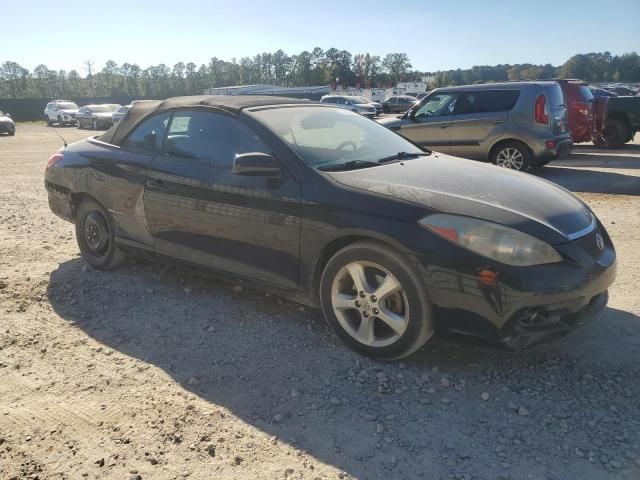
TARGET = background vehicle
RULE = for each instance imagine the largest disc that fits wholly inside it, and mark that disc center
(359, 105)
(621, 122)
(119, 113)
(62, 112)
(338, 212)
(518, 125)
(601, 92)
(581, 109)
(398, 103)
(96, 116)
(6, 124)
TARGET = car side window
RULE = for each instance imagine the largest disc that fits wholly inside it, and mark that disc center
(497, 100)
(437, 105)
(211, 138)
(148, 136)
(465, 103)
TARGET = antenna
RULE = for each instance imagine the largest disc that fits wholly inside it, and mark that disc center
(63, 140)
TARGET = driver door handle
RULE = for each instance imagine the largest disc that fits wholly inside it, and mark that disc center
(444, 125)
(498, 121)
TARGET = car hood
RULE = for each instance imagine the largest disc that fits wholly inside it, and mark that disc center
(102, 114)
(453, 185)
(68, 112)
(5, 119)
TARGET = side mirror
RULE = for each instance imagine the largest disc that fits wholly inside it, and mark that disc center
(256, 164)
(8, 115)
(411, 114)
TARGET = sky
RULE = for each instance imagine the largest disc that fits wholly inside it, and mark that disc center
(437, 35)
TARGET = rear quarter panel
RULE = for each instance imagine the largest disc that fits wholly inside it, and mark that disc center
(113, 177)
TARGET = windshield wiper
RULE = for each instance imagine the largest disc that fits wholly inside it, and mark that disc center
(402, 156)
(348, 165)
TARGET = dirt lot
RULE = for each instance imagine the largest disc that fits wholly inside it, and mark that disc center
(153, 373)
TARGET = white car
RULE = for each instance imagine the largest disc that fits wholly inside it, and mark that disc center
(356, 104)
(62, 112)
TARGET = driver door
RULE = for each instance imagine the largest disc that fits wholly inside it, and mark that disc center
(431, 124)
(199, 210)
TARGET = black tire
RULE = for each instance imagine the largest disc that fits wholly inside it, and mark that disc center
(419, 327)
(615, 134)
(48, 121)
(79, 123)
(385, 109)
(95, 235)
(11, 133)
(94, 124)
(520, 147)
(60, 122)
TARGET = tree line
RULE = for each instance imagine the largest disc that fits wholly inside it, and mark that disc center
(316, 67)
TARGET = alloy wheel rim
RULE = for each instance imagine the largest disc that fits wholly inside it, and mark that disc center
(510, 158)
(370, 304)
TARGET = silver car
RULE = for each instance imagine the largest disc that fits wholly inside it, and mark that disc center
(519, 125)
(356, 104)
(120, 113)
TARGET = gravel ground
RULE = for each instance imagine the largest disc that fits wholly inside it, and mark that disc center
(150, 372)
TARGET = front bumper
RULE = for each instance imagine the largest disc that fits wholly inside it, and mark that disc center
(7, 127)
(526, 305)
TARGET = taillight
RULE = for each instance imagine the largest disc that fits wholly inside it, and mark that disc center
(583, 108)
(53, 159)
(542, 113)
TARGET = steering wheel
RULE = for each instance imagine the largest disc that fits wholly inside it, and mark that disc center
(348, 143)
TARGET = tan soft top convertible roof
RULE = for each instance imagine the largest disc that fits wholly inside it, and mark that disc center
(233, 104)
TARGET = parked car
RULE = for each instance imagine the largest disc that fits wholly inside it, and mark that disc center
(601, 92)
(336, 211)
(62, 112)
(120, 113)
(398, 103)
(581, 107)
(621, 121)
(517, 125)
(96, 116)
(7, 124)
(356, 104)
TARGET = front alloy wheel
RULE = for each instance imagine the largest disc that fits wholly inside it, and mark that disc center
(370, 304)
(374, 300)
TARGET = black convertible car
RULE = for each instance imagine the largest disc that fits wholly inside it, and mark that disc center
(334, 210)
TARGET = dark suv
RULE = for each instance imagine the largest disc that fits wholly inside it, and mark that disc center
(516, 125)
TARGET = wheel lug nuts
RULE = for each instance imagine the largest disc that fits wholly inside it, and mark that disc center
(374, 298)
(357, 304)
(365, 314)
(362, 294)
(376, 311)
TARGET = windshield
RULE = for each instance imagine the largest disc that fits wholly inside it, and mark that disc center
(100, 108)
(67, 106)
(324, 136)
(1, 114)
(585, 93)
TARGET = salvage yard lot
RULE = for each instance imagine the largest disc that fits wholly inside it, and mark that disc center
(156, 373)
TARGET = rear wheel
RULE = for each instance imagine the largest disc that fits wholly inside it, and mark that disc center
(385, 109)
(615, 134)
(372, 298)
(95, 233)
(512, 155)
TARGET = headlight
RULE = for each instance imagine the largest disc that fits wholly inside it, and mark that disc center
(492, 240)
